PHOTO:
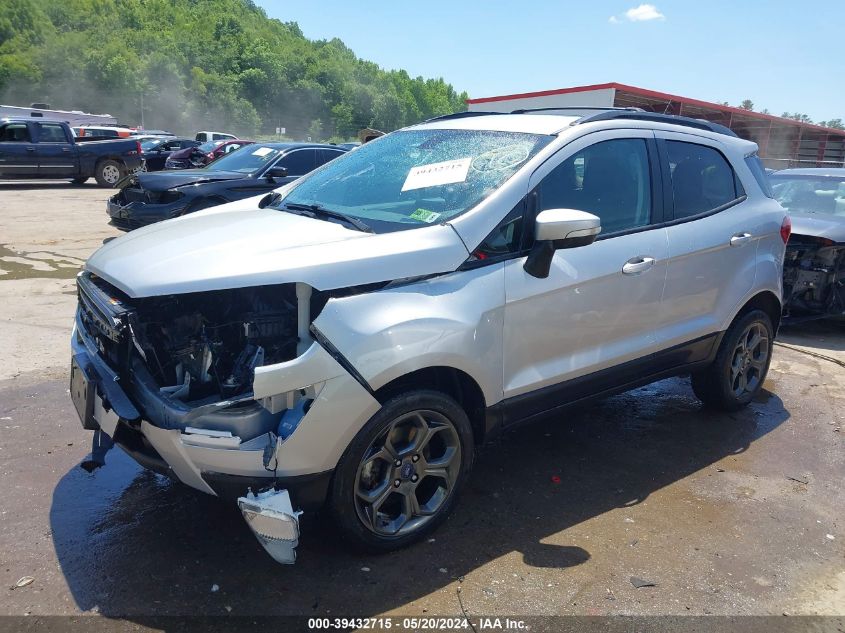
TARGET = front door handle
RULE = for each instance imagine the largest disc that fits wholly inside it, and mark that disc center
(30, 149)
(637, 265)
(740, 238)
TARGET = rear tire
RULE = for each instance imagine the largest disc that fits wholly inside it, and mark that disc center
(737, 374)
(109, 172)
(429, 436)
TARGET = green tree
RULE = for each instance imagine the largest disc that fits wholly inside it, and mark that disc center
(200, 64)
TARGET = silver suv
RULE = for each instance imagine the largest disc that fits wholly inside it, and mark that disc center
(350, 340)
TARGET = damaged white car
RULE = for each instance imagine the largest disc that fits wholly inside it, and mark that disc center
(349, 341)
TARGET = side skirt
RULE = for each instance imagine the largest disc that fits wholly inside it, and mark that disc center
(536, 405)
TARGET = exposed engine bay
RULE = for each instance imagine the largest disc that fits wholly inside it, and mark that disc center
(814, 277)
(200, 346)
(209, 344)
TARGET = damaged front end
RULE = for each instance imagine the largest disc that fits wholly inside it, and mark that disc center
(134, 206)
(206, 387)
(814, 278)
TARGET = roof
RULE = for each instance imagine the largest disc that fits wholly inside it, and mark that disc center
(642, 92)
(525, 123)
(533, 122)
(291, 145)
(819, 172)
(22, 119)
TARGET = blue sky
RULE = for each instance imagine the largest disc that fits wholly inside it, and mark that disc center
(783, 55)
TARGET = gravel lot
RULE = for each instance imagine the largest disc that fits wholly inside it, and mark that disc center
(724, 514)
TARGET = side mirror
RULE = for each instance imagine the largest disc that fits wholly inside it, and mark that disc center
(555, 229)
(270, 198)
(277, 172)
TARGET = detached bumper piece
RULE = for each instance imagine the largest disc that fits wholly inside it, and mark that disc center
(274, 522)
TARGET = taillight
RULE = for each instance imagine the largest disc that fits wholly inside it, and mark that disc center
(138, 145)
(785, 229)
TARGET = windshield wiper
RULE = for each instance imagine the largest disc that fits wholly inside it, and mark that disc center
(317, 211)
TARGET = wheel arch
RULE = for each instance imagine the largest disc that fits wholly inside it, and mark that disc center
(116, 159)
(768, 302)
(455, 383)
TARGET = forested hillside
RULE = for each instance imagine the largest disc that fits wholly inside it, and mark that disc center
(202, 64)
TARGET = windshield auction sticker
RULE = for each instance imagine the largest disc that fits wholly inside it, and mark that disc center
(434, 174)
(424, 215)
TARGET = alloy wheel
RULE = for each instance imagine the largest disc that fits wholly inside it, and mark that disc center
(407, 473)
(750, 358)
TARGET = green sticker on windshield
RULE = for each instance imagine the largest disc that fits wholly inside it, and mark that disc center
(424, 215)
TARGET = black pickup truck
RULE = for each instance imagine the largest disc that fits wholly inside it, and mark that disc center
(48, 149)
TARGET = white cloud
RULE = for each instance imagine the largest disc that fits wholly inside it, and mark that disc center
(642, 13)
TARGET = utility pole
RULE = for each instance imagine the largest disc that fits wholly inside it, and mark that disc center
(142, 109)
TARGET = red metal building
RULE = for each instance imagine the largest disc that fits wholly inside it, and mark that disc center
(783, 142)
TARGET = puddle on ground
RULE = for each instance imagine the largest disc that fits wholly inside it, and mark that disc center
(36, 264)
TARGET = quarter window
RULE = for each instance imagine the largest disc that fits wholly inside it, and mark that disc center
(702, 178)
(505, 239)
(610, 179)
(759, 172)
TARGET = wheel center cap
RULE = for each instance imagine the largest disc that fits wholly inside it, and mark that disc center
(407, 470)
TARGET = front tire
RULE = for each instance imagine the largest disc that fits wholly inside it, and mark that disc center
(401, 475)
(109, 173)
(737, 374)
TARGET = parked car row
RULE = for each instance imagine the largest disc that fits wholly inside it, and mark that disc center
(249, 169)
(348, 340)
(156, 151)
(200, 155)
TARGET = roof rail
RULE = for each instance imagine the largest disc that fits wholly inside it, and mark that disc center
(656, 117)
(570, 108)
(459, 115)
(468, 113)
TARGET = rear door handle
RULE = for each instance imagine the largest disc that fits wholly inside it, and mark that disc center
(30, 149)
(740, 238)
(637, 265)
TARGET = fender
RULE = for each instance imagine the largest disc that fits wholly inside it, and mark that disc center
(435, 322)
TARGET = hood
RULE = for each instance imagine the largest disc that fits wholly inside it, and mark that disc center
(819, 225)
(163, 180)
(234, 248)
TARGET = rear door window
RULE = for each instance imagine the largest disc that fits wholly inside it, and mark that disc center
(51, 133)
(299, 162)
(325, 155)
(702, 178)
